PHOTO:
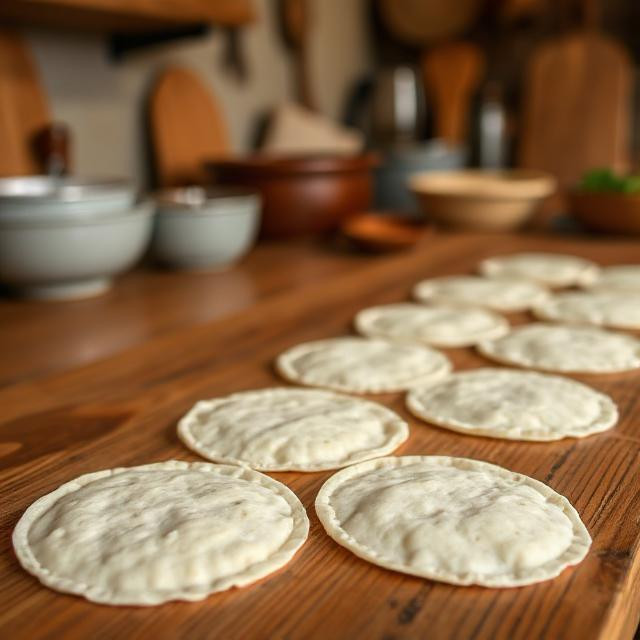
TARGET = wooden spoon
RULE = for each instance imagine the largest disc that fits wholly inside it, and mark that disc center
(451, 74)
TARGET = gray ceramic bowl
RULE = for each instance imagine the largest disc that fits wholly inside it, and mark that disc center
(62, 259)
(199, 228)
(41, 197)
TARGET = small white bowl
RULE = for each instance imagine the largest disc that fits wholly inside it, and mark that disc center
(481, 200)
(65, 259)
(43, 197)
(198, 228)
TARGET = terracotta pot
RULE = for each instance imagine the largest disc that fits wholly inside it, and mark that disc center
(607, 212)
(302, 195)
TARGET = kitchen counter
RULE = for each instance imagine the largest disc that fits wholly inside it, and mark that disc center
(101, 383)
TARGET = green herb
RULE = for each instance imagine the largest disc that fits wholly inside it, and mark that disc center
(607, 180)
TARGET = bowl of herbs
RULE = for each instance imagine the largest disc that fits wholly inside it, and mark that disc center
(607, 202)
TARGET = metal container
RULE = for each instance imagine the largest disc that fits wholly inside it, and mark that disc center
(399, 165)
(398, 107)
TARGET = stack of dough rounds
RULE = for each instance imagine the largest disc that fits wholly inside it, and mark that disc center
(360, 365)
(513, 404)
(452, 519)
(504, 294)
(166, 531)
(286, 429)
(569, 349)
(624, 277)
(441, 326)
(552, 269)
(619, 310)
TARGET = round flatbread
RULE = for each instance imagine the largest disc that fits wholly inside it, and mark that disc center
(504, 294)
(286, 429)
(360, 365)
(623, 277)
(551, 269)
(620, 310)
(165, 531)
(441, 326)
(453, 520)
(513, 404)
(570, 349)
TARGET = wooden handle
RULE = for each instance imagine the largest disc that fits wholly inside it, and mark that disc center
(296, 18)
(451, 73)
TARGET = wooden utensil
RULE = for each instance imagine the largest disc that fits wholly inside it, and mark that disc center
(296, 20)
(451, 74)
(24, 111)
(187, 128)
(577, 106)
(384, 231)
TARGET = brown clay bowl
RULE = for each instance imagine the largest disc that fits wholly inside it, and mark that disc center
(606, 212)
(302, 195)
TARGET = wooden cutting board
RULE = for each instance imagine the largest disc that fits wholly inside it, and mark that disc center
(122, 411)
(187, 128)
(577, 107)
(23, 106)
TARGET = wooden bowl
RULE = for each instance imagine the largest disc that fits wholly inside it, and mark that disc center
(382, 232)
(482, 200)
(302, 195)
(606, 212)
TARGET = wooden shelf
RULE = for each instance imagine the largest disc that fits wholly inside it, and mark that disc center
(125, 16)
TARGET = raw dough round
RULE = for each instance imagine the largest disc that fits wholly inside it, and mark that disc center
(620, 310)
(441, 326)
(575, 349)
(165, 531)
(287, 429)
(514, 404)
(360, 365)
(452, 519)
(623, 277)
(504, 294)
(551, 269)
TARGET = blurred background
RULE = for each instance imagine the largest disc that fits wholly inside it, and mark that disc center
(99, 88)
(316, 113)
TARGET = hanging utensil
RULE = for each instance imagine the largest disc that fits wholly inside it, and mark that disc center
(452, 73)
(296, 19)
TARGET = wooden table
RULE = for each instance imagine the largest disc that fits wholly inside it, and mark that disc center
(101, 383)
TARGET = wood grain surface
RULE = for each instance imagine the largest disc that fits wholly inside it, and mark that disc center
(123, 411)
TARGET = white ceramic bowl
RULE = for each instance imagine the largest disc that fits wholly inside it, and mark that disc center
(482, 200)
(63, 259)
(42, 197)
(200, 228)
